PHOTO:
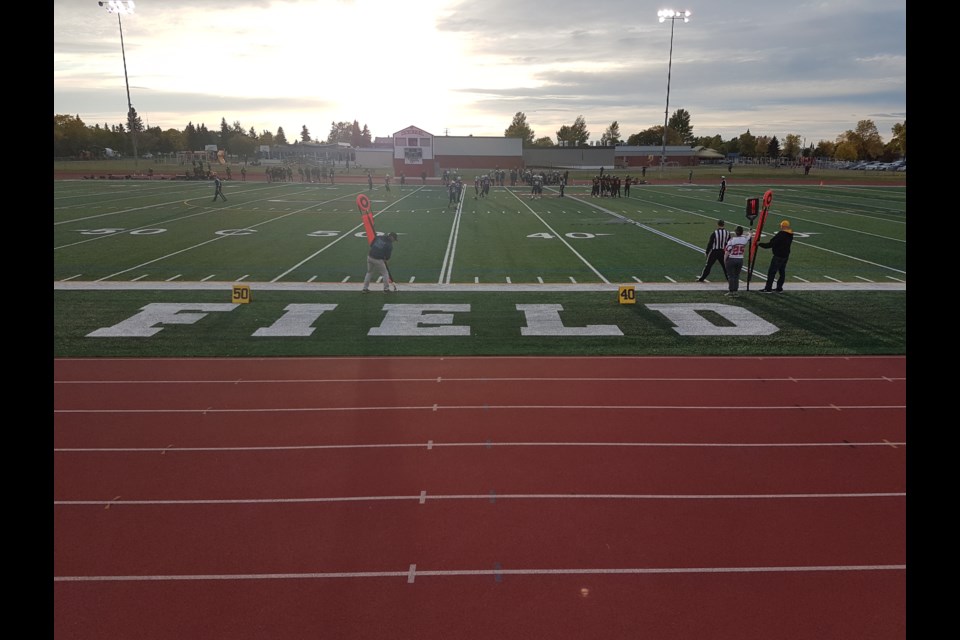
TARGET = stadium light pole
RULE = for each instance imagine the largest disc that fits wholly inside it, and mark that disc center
(118, 7)
(663, 15)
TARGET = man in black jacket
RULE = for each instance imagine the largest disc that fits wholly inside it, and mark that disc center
(780, 244)
(380, 251)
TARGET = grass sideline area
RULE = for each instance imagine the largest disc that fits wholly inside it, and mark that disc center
(807, 323)
(706, 173)
(507, 266)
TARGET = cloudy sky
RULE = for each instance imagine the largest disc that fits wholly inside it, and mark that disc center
(773, 67)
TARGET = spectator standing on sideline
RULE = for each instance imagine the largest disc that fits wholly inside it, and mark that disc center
(218, 188)
(369, 180)
(723, 187)
(780, 244)
(715, 249)
(733, 260)
(380, 251)
(243, 174)
(386, 181)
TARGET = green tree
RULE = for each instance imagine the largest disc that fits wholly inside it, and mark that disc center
(845, 151)
(791, 146)
(680, 123)
(355, 134)
(305, 134)
(748, 144)
(730, 146)
(519, 129)
(579, 132)
(899, 140)
(172, 141)
(611, 137)
(575, 135)
(762, 146)
(865, 139)
(70, 136)
(223, 139)
(545, 141)
(281, 137)
(647, 137)
(773, 148)
(710, 142)
(340, 132)
(134, 126)
(825, 149)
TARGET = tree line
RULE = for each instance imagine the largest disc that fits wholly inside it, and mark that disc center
(861, 143)
(72, 138)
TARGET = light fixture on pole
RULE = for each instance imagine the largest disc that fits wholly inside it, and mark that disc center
(118, 7)
(663, 15)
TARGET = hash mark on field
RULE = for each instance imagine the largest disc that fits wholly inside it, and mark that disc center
(476, 280)
(539, 279)
(139, 278)
(71, 277)
(412, 278)
(509, 281)
(895, 279)
(670, 279)
(207, 278)
(637, 279)
(243, 277)
(802, 280)
(834, 279)
(347, 278)
(572, 280)
(171, 279)
(862, 278)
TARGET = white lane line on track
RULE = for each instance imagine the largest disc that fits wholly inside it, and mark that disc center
(485, 496)
(480, 572)
(431, 444)
(537, 407)
(479, 379)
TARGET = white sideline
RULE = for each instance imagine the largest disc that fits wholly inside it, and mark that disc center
(426, 287)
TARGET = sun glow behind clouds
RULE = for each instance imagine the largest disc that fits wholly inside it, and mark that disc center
(379, 61)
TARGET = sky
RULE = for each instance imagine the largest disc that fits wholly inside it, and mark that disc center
(453, 67)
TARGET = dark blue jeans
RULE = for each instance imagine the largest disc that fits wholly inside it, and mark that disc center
(778, 270)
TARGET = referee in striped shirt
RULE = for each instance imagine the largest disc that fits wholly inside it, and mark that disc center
(714, 253)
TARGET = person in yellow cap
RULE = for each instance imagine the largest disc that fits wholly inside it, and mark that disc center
(780, 245)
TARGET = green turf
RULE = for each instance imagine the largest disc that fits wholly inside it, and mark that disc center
(151, 233)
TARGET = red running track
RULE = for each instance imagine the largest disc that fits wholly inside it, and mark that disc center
(480, 498)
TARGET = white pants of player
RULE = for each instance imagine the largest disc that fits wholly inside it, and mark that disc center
(378, 265)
